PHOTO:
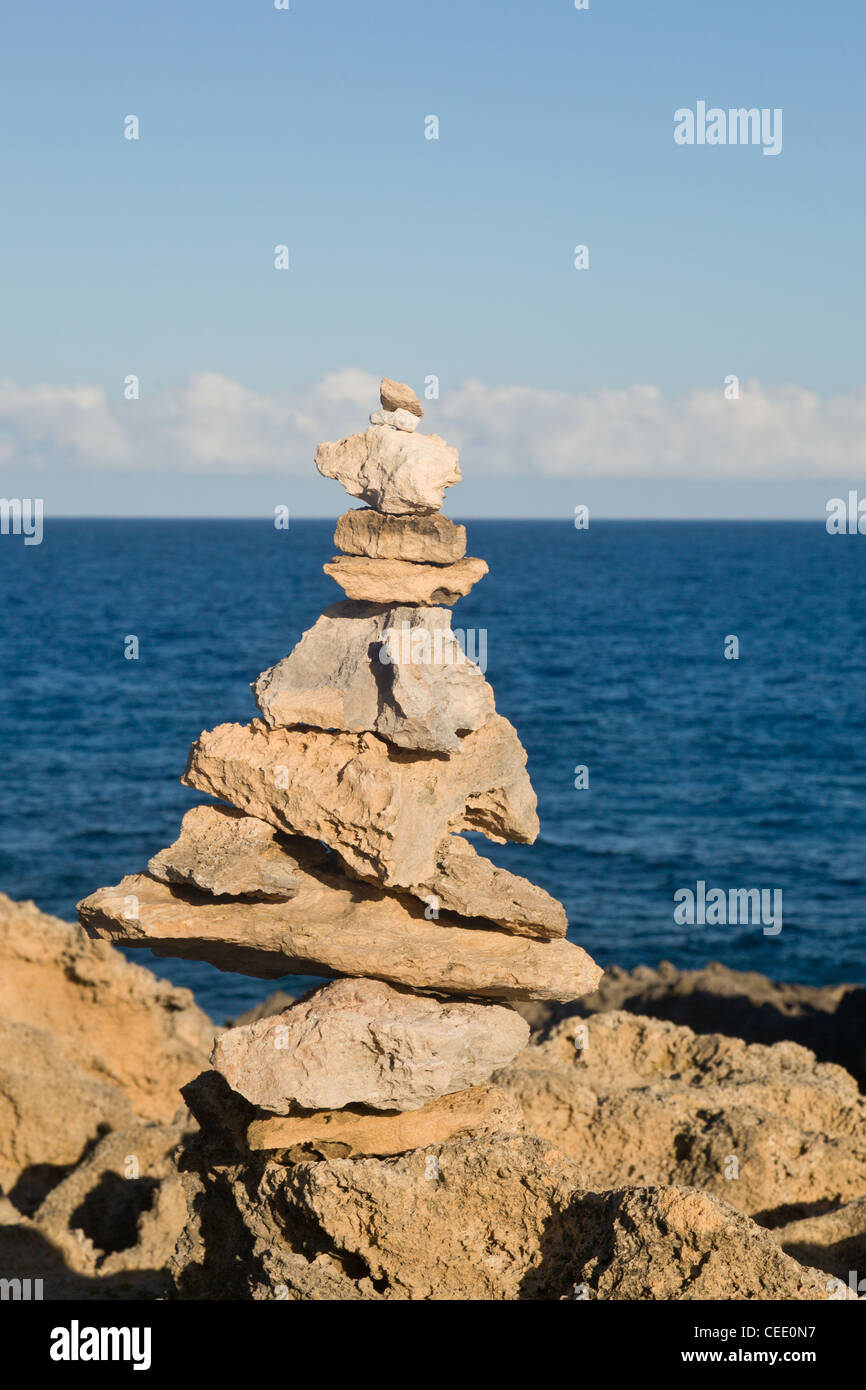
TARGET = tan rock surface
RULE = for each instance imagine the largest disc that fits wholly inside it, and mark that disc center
(670, 1244)
(496, 1217)
(396, 395)
(430, 540)
(399, 672)
(465, 882)
(51, 1110)
(392, 471)
(334, 926)
(111, 1019)
(122, 1208)
(400, 581)
(223, 852)
(835, 1242)
(352, 1132)
(363, 1042)
(641, 1101)
(384, 810)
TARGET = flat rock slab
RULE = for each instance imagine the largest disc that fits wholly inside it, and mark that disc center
(431, 540)
(401, 581)
(399, 672)
(467, 883)
(404, 474)
(337, 927)
(224, 852)
(363, 1042)
(396, 395)
(383, 809)
(350, 1133)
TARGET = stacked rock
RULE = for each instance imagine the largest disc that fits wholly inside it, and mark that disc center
(336, 847)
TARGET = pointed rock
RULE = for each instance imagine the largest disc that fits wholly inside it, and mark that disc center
(348, 1133)
(467, 883)
(400, 581)
(404, 474)
(398, 672)
(334, 926)
(385, 810)
(223, 852)
(430, 540)
(363, 1042)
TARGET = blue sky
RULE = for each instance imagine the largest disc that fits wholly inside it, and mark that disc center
(412, 256)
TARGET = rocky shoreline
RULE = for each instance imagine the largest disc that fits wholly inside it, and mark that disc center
(668, 1137)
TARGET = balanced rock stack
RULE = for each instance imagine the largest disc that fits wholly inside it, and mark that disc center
(336, 850)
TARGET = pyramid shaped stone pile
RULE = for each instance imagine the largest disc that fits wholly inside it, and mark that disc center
(335, 848)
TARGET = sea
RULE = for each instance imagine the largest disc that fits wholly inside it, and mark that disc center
(691, 695)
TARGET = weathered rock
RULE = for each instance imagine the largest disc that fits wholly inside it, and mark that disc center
(430, 540)
(465, 882)
(834, 1242)
(121, 1210)
(353, 1132)
(404, 474)
(399, 672)
(335, 926)
(828, 1019)
(669, 1243)
(225, 853)
(109, 1018)
(495, 1217)
(397, 419)
(396, 395)
(383, 809)
(401, 581)
(641, 1101)
(51, 1111)
(362, 1042)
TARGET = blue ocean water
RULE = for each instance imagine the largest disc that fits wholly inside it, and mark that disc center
(605, 648)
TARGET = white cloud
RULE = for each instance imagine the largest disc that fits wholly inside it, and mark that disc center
(213, 424)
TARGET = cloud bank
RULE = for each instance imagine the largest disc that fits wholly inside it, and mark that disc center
(213, 424)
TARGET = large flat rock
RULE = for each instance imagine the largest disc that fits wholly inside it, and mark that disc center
(362, 667)
(392, 471)
(332, 927)
(354, 1131)
(430, 540)
(401, 581)
(363, 1042)
(385, 810)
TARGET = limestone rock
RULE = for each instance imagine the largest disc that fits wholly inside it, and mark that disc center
(352, 1132)
(641, 1101)
(396, 395)
(467, 883)
(225, 853)
(673, 1244)
(335, 926)
(404, 474)
(431, 540)
(397, 419)
(399, 672)
(362, 1042)
(383, 809)
(402, 581)
(111, 1019)
(834, 1242)
(120, 1210)
(51, 1111)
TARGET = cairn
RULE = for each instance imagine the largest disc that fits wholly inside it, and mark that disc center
(336, 848)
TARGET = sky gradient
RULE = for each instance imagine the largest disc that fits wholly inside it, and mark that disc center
(413, 257)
